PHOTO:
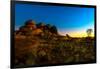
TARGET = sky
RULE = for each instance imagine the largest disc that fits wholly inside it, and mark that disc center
(68, 20)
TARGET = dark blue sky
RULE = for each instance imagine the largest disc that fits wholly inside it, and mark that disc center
(64, 18)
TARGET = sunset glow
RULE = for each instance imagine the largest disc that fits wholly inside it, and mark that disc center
(75, 24)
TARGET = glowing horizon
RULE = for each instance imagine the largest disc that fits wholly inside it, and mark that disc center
(79, 32)
(68, 20)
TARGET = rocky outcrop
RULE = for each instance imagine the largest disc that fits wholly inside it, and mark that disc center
(31, 28)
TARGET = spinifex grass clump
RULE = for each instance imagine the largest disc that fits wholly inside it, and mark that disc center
(42, 45)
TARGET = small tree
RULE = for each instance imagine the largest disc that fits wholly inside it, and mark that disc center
(89, 32)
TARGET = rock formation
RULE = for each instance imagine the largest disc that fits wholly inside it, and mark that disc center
(31, 28)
